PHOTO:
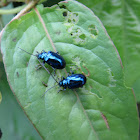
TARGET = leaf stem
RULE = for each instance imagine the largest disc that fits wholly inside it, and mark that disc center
(12, 11)
(45, 28)
(23, 11)
(26, 9)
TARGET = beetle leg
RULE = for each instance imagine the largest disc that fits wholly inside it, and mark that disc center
(62, 78)
(37, 52)
(42, 51)
(61, 90)
(57, 52)
(71, 72)
(38, 66)
(44, 84)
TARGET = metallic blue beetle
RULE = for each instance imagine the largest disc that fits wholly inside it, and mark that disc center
(73, 81)
(51, 58)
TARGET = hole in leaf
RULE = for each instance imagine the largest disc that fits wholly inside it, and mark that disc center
(75, 17)
(69, 20)
(93, 29)
(78, 35)
(71, 17)
(75, 14)
(82, 36)
(63, 6)
(64, 14)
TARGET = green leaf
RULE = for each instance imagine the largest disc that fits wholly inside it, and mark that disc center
(121, 19)
(0, 97)
(13, 122)
(103, 109)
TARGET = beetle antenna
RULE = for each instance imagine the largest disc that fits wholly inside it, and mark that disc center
(49, 89)
(27, 52)
(47, 70)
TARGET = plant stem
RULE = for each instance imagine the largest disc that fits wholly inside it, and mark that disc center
(29, 6)
(11, 11)
(23, 11)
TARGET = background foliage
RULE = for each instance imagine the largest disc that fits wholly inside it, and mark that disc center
(122, 22)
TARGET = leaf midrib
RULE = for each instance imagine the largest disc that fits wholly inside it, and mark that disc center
(52, 44)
